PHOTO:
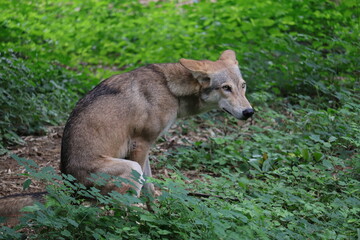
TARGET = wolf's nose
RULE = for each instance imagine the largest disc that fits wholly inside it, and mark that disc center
(248, 113)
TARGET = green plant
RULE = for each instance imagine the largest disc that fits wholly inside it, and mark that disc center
(33, 94)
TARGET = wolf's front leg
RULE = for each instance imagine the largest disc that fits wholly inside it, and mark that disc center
(148, 187)
(139, 154)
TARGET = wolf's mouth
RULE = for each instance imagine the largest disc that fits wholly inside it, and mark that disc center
(227, 111)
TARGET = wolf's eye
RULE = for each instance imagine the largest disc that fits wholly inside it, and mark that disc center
(227, 88)
(243, 85)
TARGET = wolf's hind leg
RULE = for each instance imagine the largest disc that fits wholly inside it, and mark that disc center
(121, 168)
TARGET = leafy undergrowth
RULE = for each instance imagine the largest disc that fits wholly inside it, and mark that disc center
(33, 94)
(295, 170)
(292, 172)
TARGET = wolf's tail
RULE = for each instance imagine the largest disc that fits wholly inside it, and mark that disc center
(11, 205)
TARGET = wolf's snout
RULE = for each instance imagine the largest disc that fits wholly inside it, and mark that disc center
(248, 113)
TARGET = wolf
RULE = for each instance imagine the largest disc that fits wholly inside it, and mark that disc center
(113, 127)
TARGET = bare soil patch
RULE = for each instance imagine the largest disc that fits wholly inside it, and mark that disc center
(44, 150)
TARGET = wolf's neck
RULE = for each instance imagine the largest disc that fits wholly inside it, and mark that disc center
(179, 80)
(184, 87)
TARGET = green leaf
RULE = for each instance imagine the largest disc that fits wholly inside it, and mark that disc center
(326, 144)
(72, 222)
(318, 156)
(164, 232)
(148, 218)
(306, 154)
(26, 184)
(33, 208)
(316, 138)
(66, 233)
(327, 164)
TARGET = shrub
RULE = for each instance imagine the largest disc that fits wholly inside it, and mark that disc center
(33, 95)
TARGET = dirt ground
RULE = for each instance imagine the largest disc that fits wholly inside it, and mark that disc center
(44, 150)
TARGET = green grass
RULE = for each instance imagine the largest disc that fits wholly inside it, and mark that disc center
(293, 173)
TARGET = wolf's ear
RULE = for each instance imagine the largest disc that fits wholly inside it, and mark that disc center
(194, 65)
(198, 69)
(229, 55)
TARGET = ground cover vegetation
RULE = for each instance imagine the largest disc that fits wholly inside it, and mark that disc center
(292, 172)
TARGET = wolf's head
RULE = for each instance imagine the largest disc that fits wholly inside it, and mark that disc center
(222, 84)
